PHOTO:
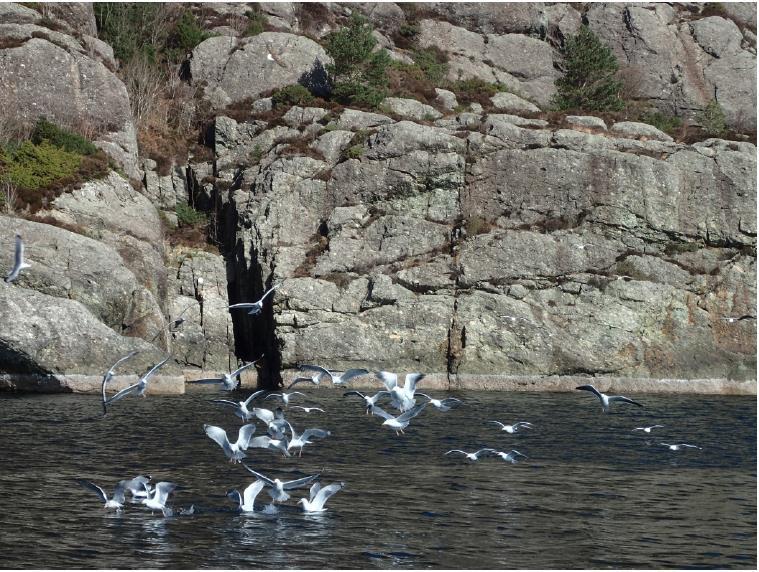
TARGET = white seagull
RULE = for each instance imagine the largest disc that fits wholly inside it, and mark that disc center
(342, 379)
(266, 442)
(228, 381)
(515, 427)
(116, 502)
(285, 397)
(18, 264)
(139, 487)
(275, 420)
(233, 451)
(317, 496)
(157, 501)
(108, 375)
(607, 400)
(277, 488)
(401, 422)
(369, 402)
(302, 440)
(679, 446)
(647, 429)
(247, 498)
(308, 409)
(403, 397)
(255, 307)
(473, 456)
(140, 387)
(511, 456)
(442, 404)
(241, 407)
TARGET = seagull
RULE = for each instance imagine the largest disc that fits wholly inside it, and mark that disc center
(317, 496)
(241, 407)
(233, 451)
(285, 397)
(370, 402)
(303, 439)
(228, 381)
(159, 496)
(401, 422)
(18, 264)
(179, 320)
(275, 420)
(733, 319)
(117, 501)
(255, 307)
(247, 498)
(277, 488)
(511, 456)
(647, 429)
(266, 442)
(679, 446)
(308, 409)
(442, 404)
(335, 379)
(139, 487)
(140, 387)
(473, 456)
(108, 375)
(515, 427)
(403, 397)
(607, 400)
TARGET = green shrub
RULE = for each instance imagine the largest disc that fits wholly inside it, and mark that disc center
(46, 131)
(290, 95)
(32, 166)
(433, 63)
(130, 28)
(188, 216)
(662, 121)
(188, 33)
(358, 75)
(713, 119)
(256, 23)
(589, 82)
(474, 90)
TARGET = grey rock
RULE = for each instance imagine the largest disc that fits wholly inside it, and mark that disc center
(505, 101)
(13, 13)
(410, 109)
(518, 121)
(299, 116)
(354, 120)
(586, 121)
(717, 36)
(446, 99)
(639, 130)
(332, 144)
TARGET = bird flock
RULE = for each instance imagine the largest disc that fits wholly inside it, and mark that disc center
(279, 434)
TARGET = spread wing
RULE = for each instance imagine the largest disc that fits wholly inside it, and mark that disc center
(220, 436)
(251, 492)
(301, 380)
(351, 373)
(411, 380)
(244, 305)
(163, 490)
(93, 487)
(318, 433)
(411, 413)
(123, 393)
(317, 368)
(237, 372)
(389, 379)
(259, 476)
(269, 291)
(264, 415)
(624, 399)
(289, 485)
(323, 494)
(155, 368)
(226, 402)
(19, 257)
(244, 435)
(376, 410)
(361, 395)
(253, 396)
(207, 381)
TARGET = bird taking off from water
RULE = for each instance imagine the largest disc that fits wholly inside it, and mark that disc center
(241, 407)
(277, 488)
(255, 308)
(607, 400)
(18, 263)
(401, 422)
(233, 451)
(510, 457)
(227, 381)
(138, 388)
(116, 502)
(320, 373)
(317, 496)
(515, 427)
(442, 404)
(473, 456)
(108, 375)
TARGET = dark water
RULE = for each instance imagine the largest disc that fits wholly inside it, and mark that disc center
(592, 494)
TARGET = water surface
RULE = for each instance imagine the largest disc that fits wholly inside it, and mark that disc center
(592, 494)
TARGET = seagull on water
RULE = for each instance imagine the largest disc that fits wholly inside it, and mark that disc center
(511, 456)
(607, 400)
(241, 407)
(247, 498)
(308, 409)
(303, 439)
(317, 496)
(679, 446)
(139, 487)
(18, 263)
(647, 429)
(515, 427)
(321, 372)
(277, 488)
(255, 307)
(285, 397)
(370, 402)
(233, 451)
(403, 397)
(157, 500)
(401, 422)
(115, 502)
(108, 375)
(442, 404)
(473, 456)
(140, 387)
(228, 381)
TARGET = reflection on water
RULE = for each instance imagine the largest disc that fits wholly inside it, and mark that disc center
(591, 494)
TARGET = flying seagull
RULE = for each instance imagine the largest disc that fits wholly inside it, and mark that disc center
(647, 429)
(308, 409)
(247, 498)
(317, 496)
(108, 375)
(473, 456)
(117, 501)
(275, 420)
(255, 307)
(18, 264)
(607, 400)
(303, 439)
(679, 446)
(403, 397)
(442, 404)
(342, 379)
(370, 402)
(285, 397)
(277, 488)
(233, 451)
(511, 456)
(401, 422)
(157, 500)
(241, 407)
(515, 427)
(266, 442)
(228, 381)
(139, 487)
(140, 387)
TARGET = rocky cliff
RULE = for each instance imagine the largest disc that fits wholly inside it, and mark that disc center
(461, 240)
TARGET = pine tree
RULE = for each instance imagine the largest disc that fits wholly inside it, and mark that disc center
(589, 82)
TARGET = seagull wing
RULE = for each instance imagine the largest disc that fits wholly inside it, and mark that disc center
(266, 480)
(163, 490)
(411, 380)
(591, 389)
(207, 381)
(253, 396)
(251, 492)
(244, 435)
(502, 425)
(119, 490)
(123, 393)
(381, 412)
(220, 436)
(93, 487)
(289, 485)
(624, 400)
(323, 494)
(264, 415)
(484, 451)
(305, 367)
(451, 401)
(126, 357)
(351, 373)
(269, 291)
(155, 368)
(317, 433)
(237, 372)
(301, 380)
(411, 413)
(353, 392)
(19, 255)
(226, 402)
(244, 305)
(389, 379)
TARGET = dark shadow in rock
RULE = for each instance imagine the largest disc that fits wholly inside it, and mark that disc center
(316, 80)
